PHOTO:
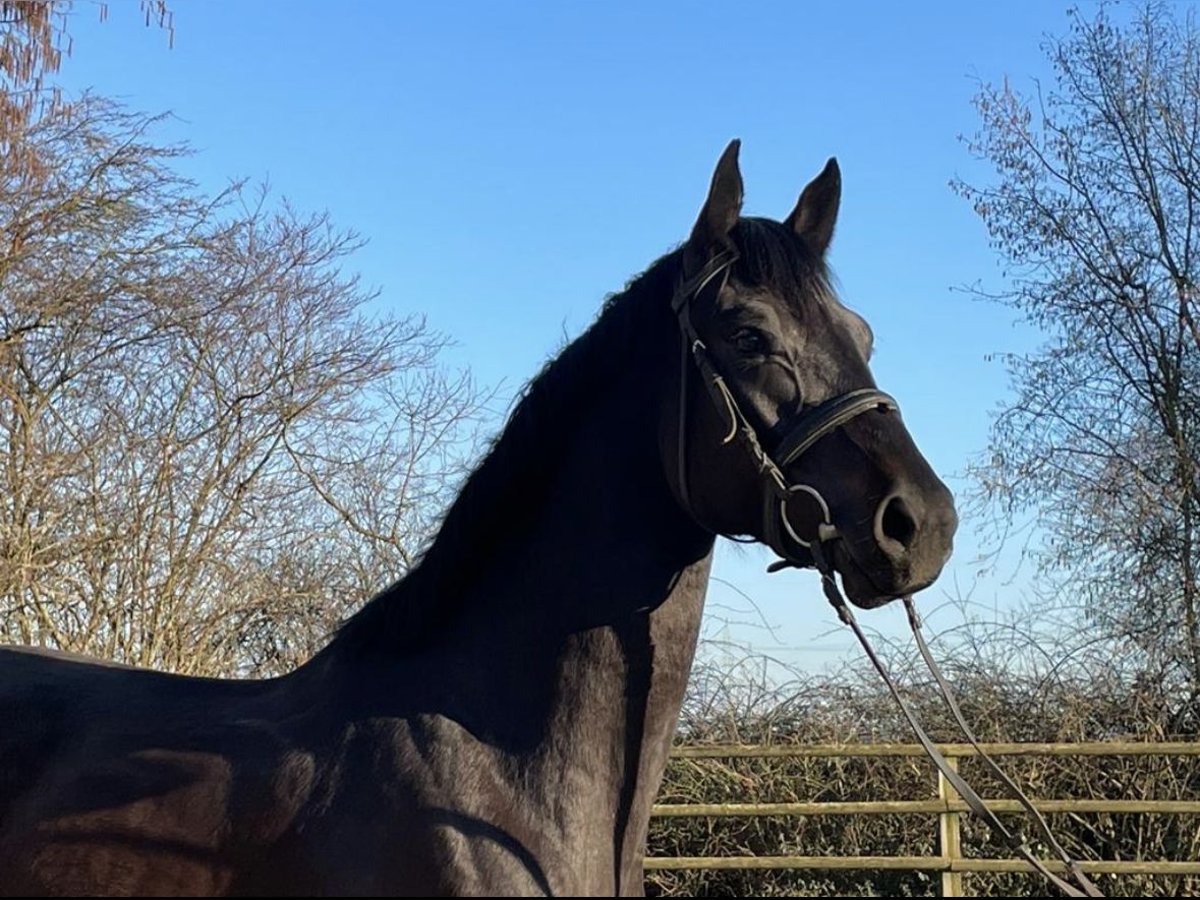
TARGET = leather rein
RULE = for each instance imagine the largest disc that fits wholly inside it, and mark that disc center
(800, 432)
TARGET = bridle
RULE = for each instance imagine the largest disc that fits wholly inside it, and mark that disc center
(799, 433)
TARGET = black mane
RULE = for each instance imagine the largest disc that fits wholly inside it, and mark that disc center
(502, 495)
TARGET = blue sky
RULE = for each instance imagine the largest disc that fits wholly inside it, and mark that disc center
(511, 164)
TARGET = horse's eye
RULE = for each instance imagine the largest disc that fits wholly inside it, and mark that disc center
(750, 342)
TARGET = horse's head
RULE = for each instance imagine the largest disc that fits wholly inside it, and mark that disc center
(779, 431)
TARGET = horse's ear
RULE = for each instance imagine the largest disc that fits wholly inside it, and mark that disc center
(721, 208)
(816, 212)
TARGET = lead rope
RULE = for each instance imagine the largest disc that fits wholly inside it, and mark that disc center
(968, 794)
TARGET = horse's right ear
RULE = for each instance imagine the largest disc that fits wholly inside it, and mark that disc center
(721, 209)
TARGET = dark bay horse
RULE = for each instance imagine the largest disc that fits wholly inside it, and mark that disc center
(497, 722)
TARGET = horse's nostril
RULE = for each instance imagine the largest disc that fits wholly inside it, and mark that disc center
(896, 523)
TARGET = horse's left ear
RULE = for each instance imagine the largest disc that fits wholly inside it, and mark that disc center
(816, 213)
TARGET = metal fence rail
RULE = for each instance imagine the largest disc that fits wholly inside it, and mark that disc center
(950, 862)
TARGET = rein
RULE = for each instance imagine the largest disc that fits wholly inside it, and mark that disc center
(976, 803)
(800, 433)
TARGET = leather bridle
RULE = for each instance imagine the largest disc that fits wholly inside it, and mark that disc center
(799, 432)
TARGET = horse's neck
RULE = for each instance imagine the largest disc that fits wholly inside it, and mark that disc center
(571, 656)
(609, 578)
(615, 561)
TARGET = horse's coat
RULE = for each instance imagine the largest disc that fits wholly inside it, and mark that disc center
(497, 722)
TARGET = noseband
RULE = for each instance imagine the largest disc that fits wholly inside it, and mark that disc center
(799, 431)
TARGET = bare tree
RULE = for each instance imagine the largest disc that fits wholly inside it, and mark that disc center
(34, 37)
(1095, 211)
(210, 450)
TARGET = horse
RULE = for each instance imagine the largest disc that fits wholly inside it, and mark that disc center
(497, 721)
